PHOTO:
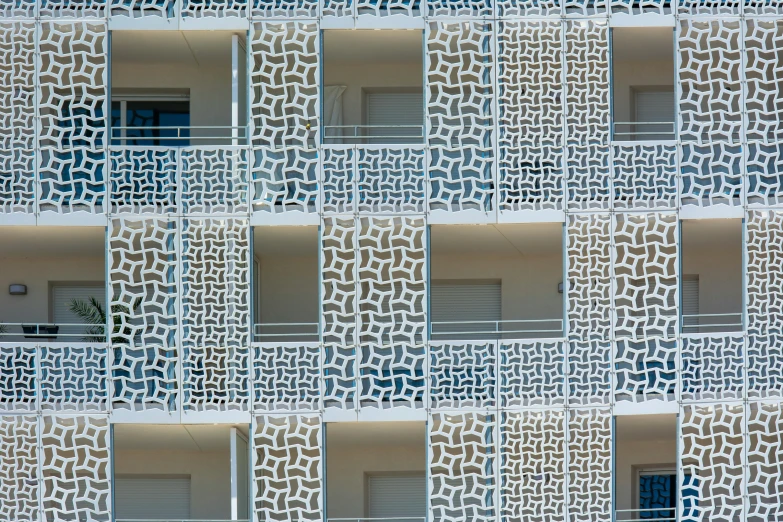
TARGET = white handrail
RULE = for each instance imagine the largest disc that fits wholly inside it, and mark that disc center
(699, 324)
(50, 330)
(498, 329)
(356, 135)
(644, 124)
(123, 130)
(645, 510)
(258, 326)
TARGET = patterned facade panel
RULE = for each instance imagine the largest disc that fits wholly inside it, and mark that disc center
(712, 367)
(711, 462)
(530, 84)
(385, 9)
(461, 179)
(287, 468)
(589, 373)
(764, 167)
(17, 181)
(710, 7)
(18, 378)
(764, 77)
(462, 461)
(75, 467)
(215, 290)
(74, 377)
(285, 180)
(530, 179)
(765, 367)
(533, 466)
(390, 180)
(283, 9)
(72, 180)
(143, 180)
(585, 8)
(144, 378)
(338, 280)
(214, 180)
(532, 373)
(18, 9)
(640, 7)
(459, 81)
(764, 284)
(340, 369)
(589, 465)
(764, 462)
(531, 8)
(72, 8)
(645, 269)
(391, 289)
(392, 376)
(644, 176)
(338, 180)
(709, 67)
(460, 8)
(143, 9)
(284, 84)
(588, 177)
(73, 88)
(463, 375)
(286, 377)
(587, 81)
(646, 370)
(19, 491)
(588, 276)
(17, 81)
(213, 9)
(215, 379)
(711, 175)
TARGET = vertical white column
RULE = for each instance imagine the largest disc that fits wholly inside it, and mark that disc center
(234, 477)
(234, 91)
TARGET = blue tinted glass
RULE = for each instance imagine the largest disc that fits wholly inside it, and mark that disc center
(657, 496)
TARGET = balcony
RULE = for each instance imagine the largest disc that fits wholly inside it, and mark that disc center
(373, 87)
(181, 472)
(496, 282)
(53, 282)
(178, 89)
(643, 84)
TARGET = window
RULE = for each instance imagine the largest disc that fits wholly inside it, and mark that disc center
(150, 497)
(657, 494)
(475, 305)
(139, 121)
(397, 496)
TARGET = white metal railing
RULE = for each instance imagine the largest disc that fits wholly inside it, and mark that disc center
(286, 331)
(180, 134)
(388, 132)
(708, 323)
(496, 329)
(644, 130)
(53, 331)
(636, 515)
(387, 519)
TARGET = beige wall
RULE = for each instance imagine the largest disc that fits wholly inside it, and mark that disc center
(37, 272)
(642, 73)
(210, 476)
(376, 75)
(288, 289)
(634, 455)
(347, 467)
(528, 283)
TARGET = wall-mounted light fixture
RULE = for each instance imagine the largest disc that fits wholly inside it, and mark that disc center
(17, 289)
(559, 288)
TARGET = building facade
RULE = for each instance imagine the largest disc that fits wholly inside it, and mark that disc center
(403, 260)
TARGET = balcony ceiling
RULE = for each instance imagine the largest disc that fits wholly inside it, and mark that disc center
(525, 239)
(285, 241)
(349, 46)
(713, 234)
(168, 437)
(352, 434)
(643, 43)
(646, 427)
(29, 241)
(175, 47)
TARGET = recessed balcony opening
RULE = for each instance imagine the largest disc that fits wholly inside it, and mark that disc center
(180, 472)
(52, 284)
(285, 284)
(174, 88)
(376, 470)
(496, 281)
(646, 468)
(373, 87)
(711, 279)
(643, 83)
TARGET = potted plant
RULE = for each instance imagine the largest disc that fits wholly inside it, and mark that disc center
(94, 315)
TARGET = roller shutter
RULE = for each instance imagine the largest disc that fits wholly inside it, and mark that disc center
(397, 496)
(152, 498)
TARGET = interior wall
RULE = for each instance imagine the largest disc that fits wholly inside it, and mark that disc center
(288, 289)
(210, 476)
(374, 75)
(37, 273)
(639, 73)
(528, 283)
(630, 456)
(347, 468)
